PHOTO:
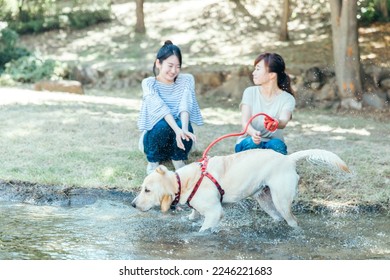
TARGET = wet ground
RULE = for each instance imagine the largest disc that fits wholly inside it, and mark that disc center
(101, 225)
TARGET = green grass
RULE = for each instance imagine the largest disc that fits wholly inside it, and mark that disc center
(88, 141)
(92, 141)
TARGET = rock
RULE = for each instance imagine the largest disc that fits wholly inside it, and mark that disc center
(313, 75)
(205, 81)
(376, 100)
(233, 87)
(315, 85)
(85, 75)
(304, 96)
(385, 83)
(60, 86)
(378, 73)
(351, 103)
(328, 91)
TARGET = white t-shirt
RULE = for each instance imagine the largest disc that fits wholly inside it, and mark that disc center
(280, 103)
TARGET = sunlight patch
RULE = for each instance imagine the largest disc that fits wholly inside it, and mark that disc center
(327, 128)
(19, 132)
(22, 96)
(218, 116)
(362, 132)
(108, 172)
(338, 138)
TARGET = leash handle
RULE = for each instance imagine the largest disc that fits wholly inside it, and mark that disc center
(232, 134)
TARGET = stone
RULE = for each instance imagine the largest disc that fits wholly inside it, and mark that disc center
(376, 100)
(351, 103)
(385, 83)
(304, 96)
(85, 75)
(233, 87)
(313, 75)
(60, 86)
(315, 85)
(328, 91)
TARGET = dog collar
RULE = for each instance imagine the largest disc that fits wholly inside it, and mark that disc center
(177, 195)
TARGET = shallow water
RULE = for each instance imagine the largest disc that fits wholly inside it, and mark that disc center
(114, 230)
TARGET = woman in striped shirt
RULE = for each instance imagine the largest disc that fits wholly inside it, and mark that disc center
(169, 106)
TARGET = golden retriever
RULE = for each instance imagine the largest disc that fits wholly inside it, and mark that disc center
(241, 175)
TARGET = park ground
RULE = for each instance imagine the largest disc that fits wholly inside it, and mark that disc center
(90, 141)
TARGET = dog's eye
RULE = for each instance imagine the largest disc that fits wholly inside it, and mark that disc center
(147, 190)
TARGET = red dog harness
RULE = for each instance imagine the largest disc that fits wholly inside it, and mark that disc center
(204, 173)
(270, 123)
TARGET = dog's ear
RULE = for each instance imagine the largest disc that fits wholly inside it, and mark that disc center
(166, 202)
(161, 169)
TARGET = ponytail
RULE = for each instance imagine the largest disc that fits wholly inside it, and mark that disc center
(284, 82)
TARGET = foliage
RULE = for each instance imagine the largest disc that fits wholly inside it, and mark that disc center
(17, 64)
(8, 47)
(369, 12)
(84, 18)
(43, 15)
(6, 80)
(36, 25)
(30, 69)
(5, 11)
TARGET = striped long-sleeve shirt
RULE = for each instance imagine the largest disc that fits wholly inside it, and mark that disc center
(161, 99)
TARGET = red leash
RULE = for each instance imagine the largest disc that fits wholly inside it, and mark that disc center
(204, 162)
(231, 134)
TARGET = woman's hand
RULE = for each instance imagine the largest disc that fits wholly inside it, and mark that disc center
(256, 137)
(271, 124)
(184, 135)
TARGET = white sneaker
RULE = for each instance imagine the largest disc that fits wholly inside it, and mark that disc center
(151, 167)
(178, 164)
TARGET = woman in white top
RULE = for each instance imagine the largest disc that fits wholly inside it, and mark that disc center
(169, 106)
(272, 94)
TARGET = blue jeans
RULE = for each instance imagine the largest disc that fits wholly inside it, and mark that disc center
(275, 144)
(160, 143)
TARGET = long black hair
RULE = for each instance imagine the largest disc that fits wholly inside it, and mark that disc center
(275, 64)
(166, 51)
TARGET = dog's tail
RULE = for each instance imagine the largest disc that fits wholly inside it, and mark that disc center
(322, 157)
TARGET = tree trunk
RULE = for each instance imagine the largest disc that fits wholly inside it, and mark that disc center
(346, 48)
(139, 10)
(383, 8)
(283, 36)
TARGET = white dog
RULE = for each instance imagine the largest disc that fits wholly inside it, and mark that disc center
(240, 175)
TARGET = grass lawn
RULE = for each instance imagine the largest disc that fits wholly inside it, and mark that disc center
(92, 141)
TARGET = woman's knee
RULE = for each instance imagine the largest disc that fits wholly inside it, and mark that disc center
(246, 144)
(277, 145)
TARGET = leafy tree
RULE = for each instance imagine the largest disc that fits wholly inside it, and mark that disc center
(9, 49)
(370, 11)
